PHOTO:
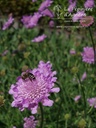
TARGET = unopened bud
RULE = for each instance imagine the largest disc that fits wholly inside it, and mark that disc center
(1, 100)
(74, 70)
(82, 123)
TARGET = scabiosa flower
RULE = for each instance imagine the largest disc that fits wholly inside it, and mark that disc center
(77, 98)
(39, 38)
(25, 20)
(92, 102)
(72, 5)
(51, 24)
(30, 122)
(72, 52)
(83, 76)
(87, 21)
(89, 4)
(47, 12)
(31, 21)
(78, 16)
(29, 93)
(45, 5)
(8, 23)
(88, 55)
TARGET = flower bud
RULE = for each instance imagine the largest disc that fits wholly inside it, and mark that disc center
(74, 70)
(2, 73)
(67, 116)
(26, 54)
(21, 47)
(82, 123)
(1, 100)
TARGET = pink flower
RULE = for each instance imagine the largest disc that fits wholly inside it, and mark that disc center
(31, 21)
(8, 23)
(28, 93)
(78, 16)
(30, 122)
(39, 38)
(89, 4)
(47, 12)
(83, 76)
(88, 55)
(77, 98)
(92, 102)
(51, 23)
(72, 51)
(87, 21)
(72, 5)
(45, 4)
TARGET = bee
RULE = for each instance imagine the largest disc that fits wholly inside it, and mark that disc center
(26, 75)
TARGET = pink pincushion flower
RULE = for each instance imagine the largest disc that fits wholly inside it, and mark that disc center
(87, 21)
(47, 12)
(72, 52)
(88, 55)
(84, 76)
(51, 24)
(77, 98)
(89, 4)
(25, 20)
(31, 21)
(92, 102)
(28, 94)
(30, 122)
(78, 16)
(45, 4)
(72, 5)
(8, 23)
(39, 38)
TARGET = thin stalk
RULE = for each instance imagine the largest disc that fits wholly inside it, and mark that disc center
(83, 94)
(42, 115)
(66, 123)
(58, 114)
(93, 44)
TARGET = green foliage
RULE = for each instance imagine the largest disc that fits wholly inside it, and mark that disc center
(22, 52)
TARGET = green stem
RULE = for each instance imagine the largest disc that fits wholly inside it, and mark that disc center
(83, 93)
(42, 115)
(93, 44)
(58, 114)
(66, 124)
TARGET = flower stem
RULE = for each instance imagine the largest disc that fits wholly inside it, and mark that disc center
(66, 124)
(58, 114)
(83, 93)
(42, 115)
(93, 44)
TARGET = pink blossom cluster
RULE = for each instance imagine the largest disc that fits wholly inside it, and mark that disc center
(32, 21)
